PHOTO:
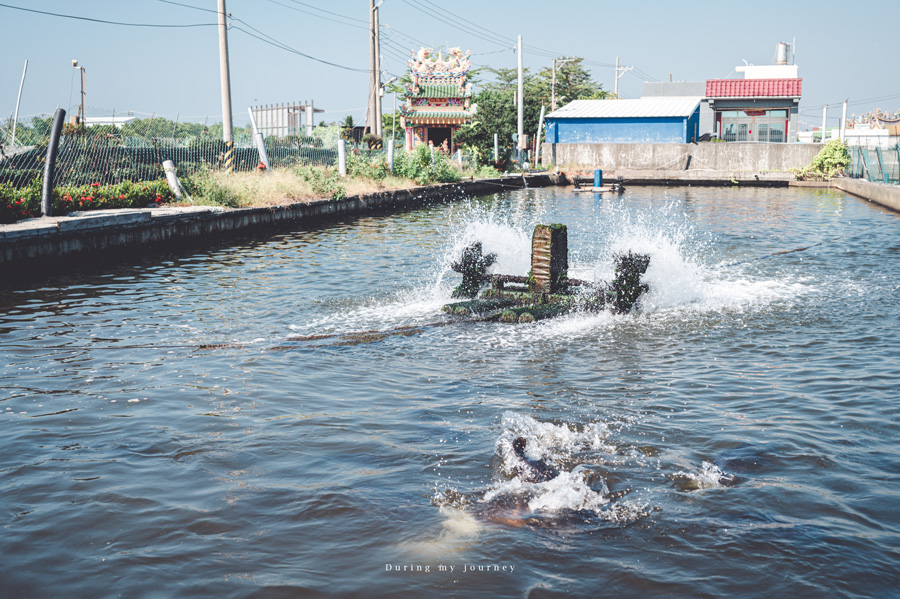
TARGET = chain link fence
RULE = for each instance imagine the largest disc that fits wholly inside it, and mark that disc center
(880, 165)
(110, 149)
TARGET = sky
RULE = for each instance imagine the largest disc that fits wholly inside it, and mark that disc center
(293, 51)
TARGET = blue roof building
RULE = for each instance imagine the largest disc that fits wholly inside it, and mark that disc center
(672, 119)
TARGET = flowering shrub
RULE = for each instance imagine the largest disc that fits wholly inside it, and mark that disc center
(18, 204)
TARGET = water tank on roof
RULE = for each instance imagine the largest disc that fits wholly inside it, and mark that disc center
(781, 54)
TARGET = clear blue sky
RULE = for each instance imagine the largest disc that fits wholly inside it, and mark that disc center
(843, 49)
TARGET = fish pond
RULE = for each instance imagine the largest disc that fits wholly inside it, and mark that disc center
(294, 416)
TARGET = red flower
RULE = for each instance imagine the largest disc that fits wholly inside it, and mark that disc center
(122, 197)
(95, 185)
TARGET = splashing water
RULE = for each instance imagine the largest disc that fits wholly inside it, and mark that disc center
(709, 476)
(686, 276)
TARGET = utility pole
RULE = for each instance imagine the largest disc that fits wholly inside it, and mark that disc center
(624, 70)
(562, 61)
(844, 121)
(225, 77)
(520, 100)
(374, 66)
(378, 91)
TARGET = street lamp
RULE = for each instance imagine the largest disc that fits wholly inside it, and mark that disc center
(80, 117)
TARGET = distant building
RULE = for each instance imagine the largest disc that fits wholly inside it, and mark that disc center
(761, 107)
(114, 120)
(438, 100)
(672, 119)
(285, 119)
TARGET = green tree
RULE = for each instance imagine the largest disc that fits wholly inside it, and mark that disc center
(498, 113)
(573, 82)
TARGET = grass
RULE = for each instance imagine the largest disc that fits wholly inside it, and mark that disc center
(279, 187)
(297, 185)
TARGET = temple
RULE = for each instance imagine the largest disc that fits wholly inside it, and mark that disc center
(438, 98)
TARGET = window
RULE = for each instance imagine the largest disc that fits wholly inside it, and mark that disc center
(754, 125)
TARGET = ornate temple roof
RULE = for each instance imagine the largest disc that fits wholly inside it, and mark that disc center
(439, 91)
(434, 79)
(440, 114)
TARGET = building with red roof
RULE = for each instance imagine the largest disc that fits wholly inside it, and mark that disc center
(761, 107)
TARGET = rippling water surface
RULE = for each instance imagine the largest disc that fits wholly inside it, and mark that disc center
(202, 425)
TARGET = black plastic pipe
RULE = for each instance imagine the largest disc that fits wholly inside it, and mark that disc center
(59, 118)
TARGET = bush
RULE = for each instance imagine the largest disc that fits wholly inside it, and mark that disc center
(830, 162)
(325, 181)
(366, 168)
(206, 188)
(424, 166)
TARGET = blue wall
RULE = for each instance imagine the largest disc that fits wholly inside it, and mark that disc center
(623, 130)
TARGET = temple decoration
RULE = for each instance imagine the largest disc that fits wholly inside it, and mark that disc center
(438, 98)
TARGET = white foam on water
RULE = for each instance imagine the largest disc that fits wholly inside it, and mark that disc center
(709, 476)
(576, 490)
(459, 531)
(567, 491)
(549, 441)
(687, 276)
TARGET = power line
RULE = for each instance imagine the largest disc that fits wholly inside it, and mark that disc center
(410, 38)
(440, 18)
(215, 12)
(366, 23)
(484, 29)
(158, 25)
(306, 12)
(287, 48)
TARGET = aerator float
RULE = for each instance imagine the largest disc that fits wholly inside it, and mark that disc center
(547, 291)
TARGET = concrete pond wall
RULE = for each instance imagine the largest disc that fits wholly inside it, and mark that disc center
(724, 158)
(44, 245)
(877, 193)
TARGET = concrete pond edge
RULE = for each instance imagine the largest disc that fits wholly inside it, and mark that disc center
(40, 246)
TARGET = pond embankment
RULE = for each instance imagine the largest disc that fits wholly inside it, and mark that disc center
(878, 193)
(47, 244)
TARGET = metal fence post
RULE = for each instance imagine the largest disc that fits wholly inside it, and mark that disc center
(390, 155)
(50, 165)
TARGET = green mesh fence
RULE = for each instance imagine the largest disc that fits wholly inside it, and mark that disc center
(880, 165)
(133, 149)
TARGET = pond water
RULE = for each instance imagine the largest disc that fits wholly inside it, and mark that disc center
(214, 425)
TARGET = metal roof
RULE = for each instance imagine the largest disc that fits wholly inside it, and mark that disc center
(656, 106)
(753, 88)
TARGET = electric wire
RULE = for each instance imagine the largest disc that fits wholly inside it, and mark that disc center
(287, 48)
(300, 10)
(156, 25)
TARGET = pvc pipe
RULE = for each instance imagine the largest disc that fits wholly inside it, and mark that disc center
(59, 118)
(172, 179)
